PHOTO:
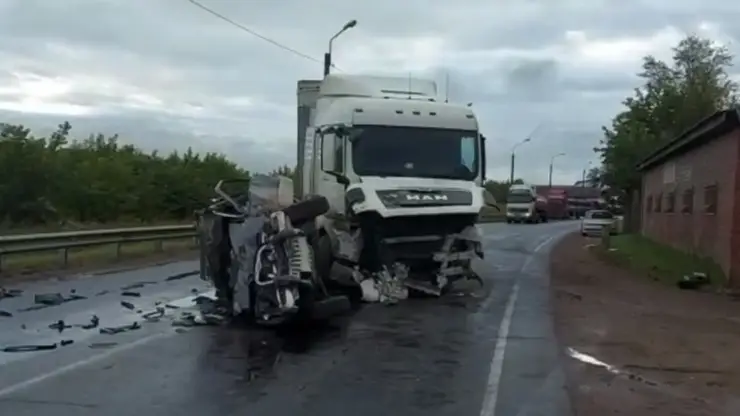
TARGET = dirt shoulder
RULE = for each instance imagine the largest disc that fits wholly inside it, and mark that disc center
(672, 352)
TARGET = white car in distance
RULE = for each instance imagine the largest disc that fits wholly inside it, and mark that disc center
(594, 221)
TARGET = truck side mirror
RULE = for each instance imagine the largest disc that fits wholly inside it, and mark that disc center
(341, 178)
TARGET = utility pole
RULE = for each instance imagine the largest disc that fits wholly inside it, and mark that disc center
(327, 56)
(552, 161)
(513, 150)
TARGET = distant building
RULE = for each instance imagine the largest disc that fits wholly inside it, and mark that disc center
(689, 191)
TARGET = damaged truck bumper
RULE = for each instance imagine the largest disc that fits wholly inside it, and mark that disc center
(428, 264)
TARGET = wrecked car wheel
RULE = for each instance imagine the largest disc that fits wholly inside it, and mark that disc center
(307, 210)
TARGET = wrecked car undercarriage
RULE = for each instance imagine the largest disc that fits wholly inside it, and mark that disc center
(275, 260)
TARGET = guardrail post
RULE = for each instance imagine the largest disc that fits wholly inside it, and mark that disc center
(158, 245)
(65, 257)
(1, 262)
(118, 250)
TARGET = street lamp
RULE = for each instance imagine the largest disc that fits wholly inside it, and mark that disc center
(513, 156)
(327, 56)
(552, 160)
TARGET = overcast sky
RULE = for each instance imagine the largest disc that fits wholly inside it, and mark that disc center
(166, 75)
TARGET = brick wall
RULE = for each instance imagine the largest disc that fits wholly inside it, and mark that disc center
(715, 234)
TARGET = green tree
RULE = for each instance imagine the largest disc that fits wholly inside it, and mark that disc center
(673, 98)
(57, 179)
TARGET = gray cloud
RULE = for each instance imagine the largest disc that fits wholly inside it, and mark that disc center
(166, 75)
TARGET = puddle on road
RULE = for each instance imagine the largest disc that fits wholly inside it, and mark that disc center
(252, 353)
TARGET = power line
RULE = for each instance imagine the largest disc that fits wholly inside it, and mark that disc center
(253, 33)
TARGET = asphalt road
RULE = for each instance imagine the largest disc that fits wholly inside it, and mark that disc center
(479, 351)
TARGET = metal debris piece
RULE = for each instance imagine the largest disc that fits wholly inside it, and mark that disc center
(59, 325)
(30, 348)
(119, 329)
(103, 344)
(139, 285)
(74, 297)
(9, 293)
(66, 342)
(188, 319)
(94, 323)
(155, 315)
(48, 299)
(6, 314)
(102, 292)
(171, 306)
(128, 305)
(182, 275)
(131, 294)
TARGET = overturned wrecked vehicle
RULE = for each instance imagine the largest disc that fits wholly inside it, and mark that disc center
(255, 249)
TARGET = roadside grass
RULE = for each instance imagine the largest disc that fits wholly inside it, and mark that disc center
(659, 262)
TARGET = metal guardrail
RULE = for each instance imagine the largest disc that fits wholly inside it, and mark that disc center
(65, 241)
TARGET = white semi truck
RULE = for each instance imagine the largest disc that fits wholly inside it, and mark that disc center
(524, 205)
(402, 171)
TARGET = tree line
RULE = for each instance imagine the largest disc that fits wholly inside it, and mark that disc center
(59, 180)
(673, 96)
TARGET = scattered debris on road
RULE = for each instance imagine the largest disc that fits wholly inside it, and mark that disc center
(131, 294)
(128, 305)
(9, 293)
(120, 329)
(66, 342)
(94, 323)
(181, 275)
(49, 299)
(138, 285)
(154, 316)
(5, 314)
(30, 348)
(60, 326)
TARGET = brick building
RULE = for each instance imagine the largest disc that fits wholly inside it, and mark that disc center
(691, 189)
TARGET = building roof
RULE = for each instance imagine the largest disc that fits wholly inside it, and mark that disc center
(708, 129)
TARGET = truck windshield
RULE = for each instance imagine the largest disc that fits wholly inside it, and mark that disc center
(415, 152)
(521, 197)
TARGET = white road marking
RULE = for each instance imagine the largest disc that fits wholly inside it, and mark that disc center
(497, 363)
(79, 364)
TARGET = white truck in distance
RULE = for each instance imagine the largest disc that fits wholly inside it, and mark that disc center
(524, 205)
(402, 173)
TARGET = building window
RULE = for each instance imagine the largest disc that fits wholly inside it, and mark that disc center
(670, 202)
(687, 206)
(649, 203)
(710, 199)
(659, 203)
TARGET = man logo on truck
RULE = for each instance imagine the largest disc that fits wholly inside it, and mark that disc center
(417, 197)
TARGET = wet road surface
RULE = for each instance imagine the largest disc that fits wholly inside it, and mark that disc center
(480, 351)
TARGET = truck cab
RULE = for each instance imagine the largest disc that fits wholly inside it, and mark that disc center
(524, 205)
(391, 159)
